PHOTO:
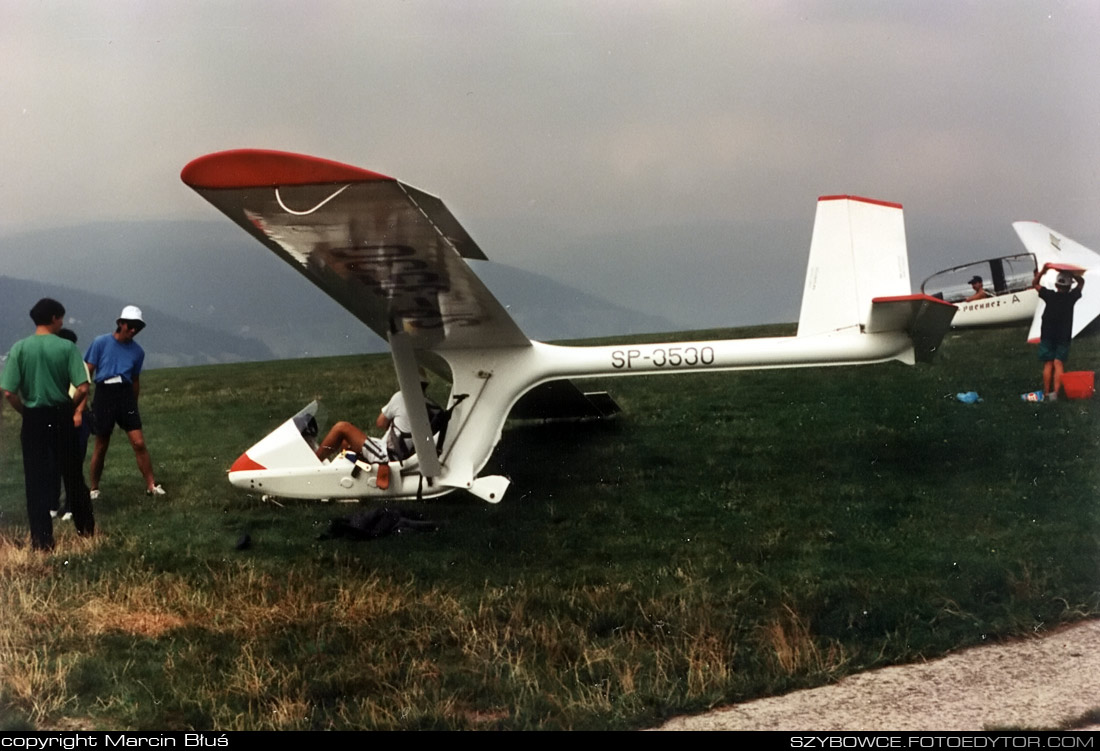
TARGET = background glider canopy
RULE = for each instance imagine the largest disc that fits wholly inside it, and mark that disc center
(389, 253)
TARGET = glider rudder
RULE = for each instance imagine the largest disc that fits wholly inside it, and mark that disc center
(857, 253)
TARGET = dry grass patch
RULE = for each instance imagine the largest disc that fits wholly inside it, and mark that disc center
(793, 649)
(710, 663)
(139, 623)
(31, 680)
(141, 603)
(17, 558)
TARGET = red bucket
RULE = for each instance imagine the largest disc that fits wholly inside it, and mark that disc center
(1078, 384)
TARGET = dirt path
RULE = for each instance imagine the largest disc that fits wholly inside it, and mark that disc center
(1044, 683)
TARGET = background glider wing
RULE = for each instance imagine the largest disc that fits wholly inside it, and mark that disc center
(389, 253)
(1054, 247)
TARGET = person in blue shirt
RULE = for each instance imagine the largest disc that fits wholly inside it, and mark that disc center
(115, 362)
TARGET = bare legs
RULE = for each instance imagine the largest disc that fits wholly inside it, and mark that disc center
(141, 454)
(343, 435)
(1052, 376)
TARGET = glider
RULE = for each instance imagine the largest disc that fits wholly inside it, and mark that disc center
(395, 257)
(1010, 297)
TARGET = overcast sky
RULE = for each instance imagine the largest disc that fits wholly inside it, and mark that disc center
(564, 134)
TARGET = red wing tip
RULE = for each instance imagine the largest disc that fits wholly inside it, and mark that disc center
(874, 201)
(245, 463)
(251, 168)
(1032, 341)
(906, 298)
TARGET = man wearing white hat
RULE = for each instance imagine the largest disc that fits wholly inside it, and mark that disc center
(115, 362)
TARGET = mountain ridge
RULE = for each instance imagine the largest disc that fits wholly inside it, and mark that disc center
(230, 300)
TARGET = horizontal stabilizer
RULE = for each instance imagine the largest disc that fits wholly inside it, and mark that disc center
(925, 319)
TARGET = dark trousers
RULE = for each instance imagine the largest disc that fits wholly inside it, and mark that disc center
(51, 455)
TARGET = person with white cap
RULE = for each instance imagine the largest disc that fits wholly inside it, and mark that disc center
(1057, 328)
(115, 362)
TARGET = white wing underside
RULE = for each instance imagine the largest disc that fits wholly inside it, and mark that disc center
(389, 253)
(1054, 247)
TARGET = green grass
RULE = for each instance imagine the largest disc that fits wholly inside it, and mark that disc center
(731, 536)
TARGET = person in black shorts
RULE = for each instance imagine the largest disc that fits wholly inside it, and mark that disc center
(115, 362)
(1057, 328)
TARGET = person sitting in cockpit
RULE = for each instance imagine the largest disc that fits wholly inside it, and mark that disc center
(396, 443)
(979, 289)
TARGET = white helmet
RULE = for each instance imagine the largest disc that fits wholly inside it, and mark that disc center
(131, 313)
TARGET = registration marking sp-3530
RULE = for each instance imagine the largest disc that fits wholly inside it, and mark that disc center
(660, 357)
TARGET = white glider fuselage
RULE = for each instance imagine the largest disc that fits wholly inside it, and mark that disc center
(283, 463)
(997, 310)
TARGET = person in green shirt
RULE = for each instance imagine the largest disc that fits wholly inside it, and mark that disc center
(35, 381)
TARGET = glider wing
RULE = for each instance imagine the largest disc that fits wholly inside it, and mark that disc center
(1059, 250)
(393, 255)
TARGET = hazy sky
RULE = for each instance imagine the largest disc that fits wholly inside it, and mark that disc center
(667, 153)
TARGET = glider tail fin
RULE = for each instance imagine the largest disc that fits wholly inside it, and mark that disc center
(858, 277)
(857, 253)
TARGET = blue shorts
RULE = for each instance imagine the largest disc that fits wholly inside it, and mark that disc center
(1049, 350)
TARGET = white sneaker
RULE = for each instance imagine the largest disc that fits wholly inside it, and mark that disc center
(67, 516)
(94, 494)
(155, 490)
(53, 513)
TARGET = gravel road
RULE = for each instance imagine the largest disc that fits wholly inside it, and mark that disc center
(1042, 683)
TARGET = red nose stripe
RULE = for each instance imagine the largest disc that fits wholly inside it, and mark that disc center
(245, 463)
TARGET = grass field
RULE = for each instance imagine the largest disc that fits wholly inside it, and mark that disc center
(731, 536)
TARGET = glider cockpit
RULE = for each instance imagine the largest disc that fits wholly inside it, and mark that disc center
(1001, 276)
(1006, 284)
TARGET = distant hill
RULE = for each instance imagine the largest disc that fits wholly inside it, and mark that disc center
(168, 342)
(207, 277)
